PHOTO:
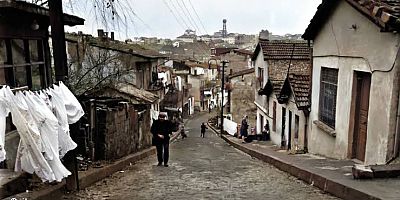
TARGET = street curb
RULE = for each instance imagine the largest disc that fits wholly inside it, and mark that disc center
(87, 178)
(325, 184)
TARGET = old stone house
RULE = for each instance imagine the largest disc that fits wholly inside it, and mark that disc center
(202, 78)
(180, 97)
(25, 58)
(356, 73)
(100, 61)
(119, 119)
(241, 96)
(282, 69)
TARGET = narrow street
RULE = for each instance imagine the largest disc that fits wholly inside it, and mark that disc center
(201, 168)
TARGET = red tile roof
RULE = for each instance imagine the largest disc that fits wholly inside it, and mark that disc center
(384, 13)
(283, 50)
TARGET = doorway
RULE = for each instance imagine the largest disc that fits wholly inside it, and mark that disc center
(283, 140)
(290, 131)
(361, 98)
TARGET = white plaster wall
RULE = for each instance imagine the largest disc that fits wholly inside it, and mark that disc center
(291, 106)
(363, 49)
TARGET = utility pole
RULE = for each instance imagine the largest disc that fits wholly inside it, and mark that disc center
(183, 97)
(58, 39)
(224, 62)
(61, 72)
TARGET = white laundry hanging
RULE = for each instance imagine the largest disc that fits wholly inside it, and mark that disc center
(48, 127)
(31, 158)
(3, 114)
(59, 109)
(72, 105)
(42, 120)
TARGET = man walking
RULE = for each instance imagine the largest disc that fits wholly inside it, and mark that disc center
(203, 129)
(161, 129)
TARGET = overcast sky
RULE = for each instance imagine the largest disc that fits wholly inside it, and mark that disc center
(154, 17)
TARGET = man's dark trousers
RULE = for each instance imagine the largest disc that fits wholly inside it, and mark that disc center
(163, 152)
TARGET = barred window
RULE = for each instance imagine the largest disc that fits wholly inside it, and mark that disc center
(328, 93)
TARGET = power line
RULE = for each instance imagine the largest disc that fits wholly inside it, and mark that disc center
(190, 16)
(176, 18)
(199, 48)
(183, 11)
(177, 11)
(201, 23)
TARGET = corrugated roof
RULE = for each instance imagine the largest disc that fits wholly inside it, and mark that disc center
(138, 94)
(126, 91)
(384, 13)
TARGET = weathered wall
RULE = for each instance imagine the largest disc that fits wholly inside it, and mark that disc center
(11, 146)
(121, 131)
(242, 99)
(365, 49)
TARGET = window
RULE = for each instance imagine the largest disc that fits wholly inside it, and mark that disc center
(274, 117)
(22, 63)
(327, 99)
(261, 76)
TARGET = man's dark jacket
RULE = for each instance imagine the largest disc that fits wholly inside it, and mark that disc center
(162, 127)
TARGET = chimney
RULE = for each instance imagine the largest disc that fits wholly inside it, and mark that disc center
(100, 33)
(112, 36)
(264, 35)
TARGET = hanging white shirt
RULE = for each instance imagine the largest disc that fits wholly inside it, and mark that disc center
(3, 114)
(65, 141)
(72, 105)
(31, 158)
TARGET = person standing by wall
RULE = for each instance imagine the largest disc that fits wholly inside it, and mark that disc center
(161, 129)
(203, 129)
(244, 128)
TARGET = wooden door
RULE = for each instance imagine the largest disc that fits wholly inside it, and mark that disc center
(361, 115)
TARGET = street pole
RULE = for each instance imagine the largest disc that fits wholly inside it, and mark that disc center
(61, 71)
(222, 98)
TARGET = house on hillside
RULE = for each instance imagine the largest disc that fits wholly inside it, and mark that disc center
(203, 80)
(283, 72)
(101, 61)
(180, 97)
(356, 80)
(25, 58)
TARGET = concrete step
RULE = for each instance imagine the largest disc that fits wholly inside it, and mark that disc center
(12, 182)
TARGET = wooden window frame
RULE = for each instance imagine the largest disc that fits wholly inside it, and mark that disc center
(328, 96)
(10, 67)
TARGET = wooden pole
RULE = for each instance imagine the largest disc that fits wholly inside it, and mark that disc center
(61, 72)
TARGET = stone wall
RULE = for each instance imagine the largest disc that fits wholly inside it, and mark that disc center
(121, 131)
(242, 99)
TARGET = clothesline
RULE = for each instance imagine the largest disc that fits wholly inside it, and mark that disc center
(42, 120)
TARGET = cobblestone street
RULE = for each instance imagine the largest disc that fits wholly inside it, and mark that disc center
(201, 168)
